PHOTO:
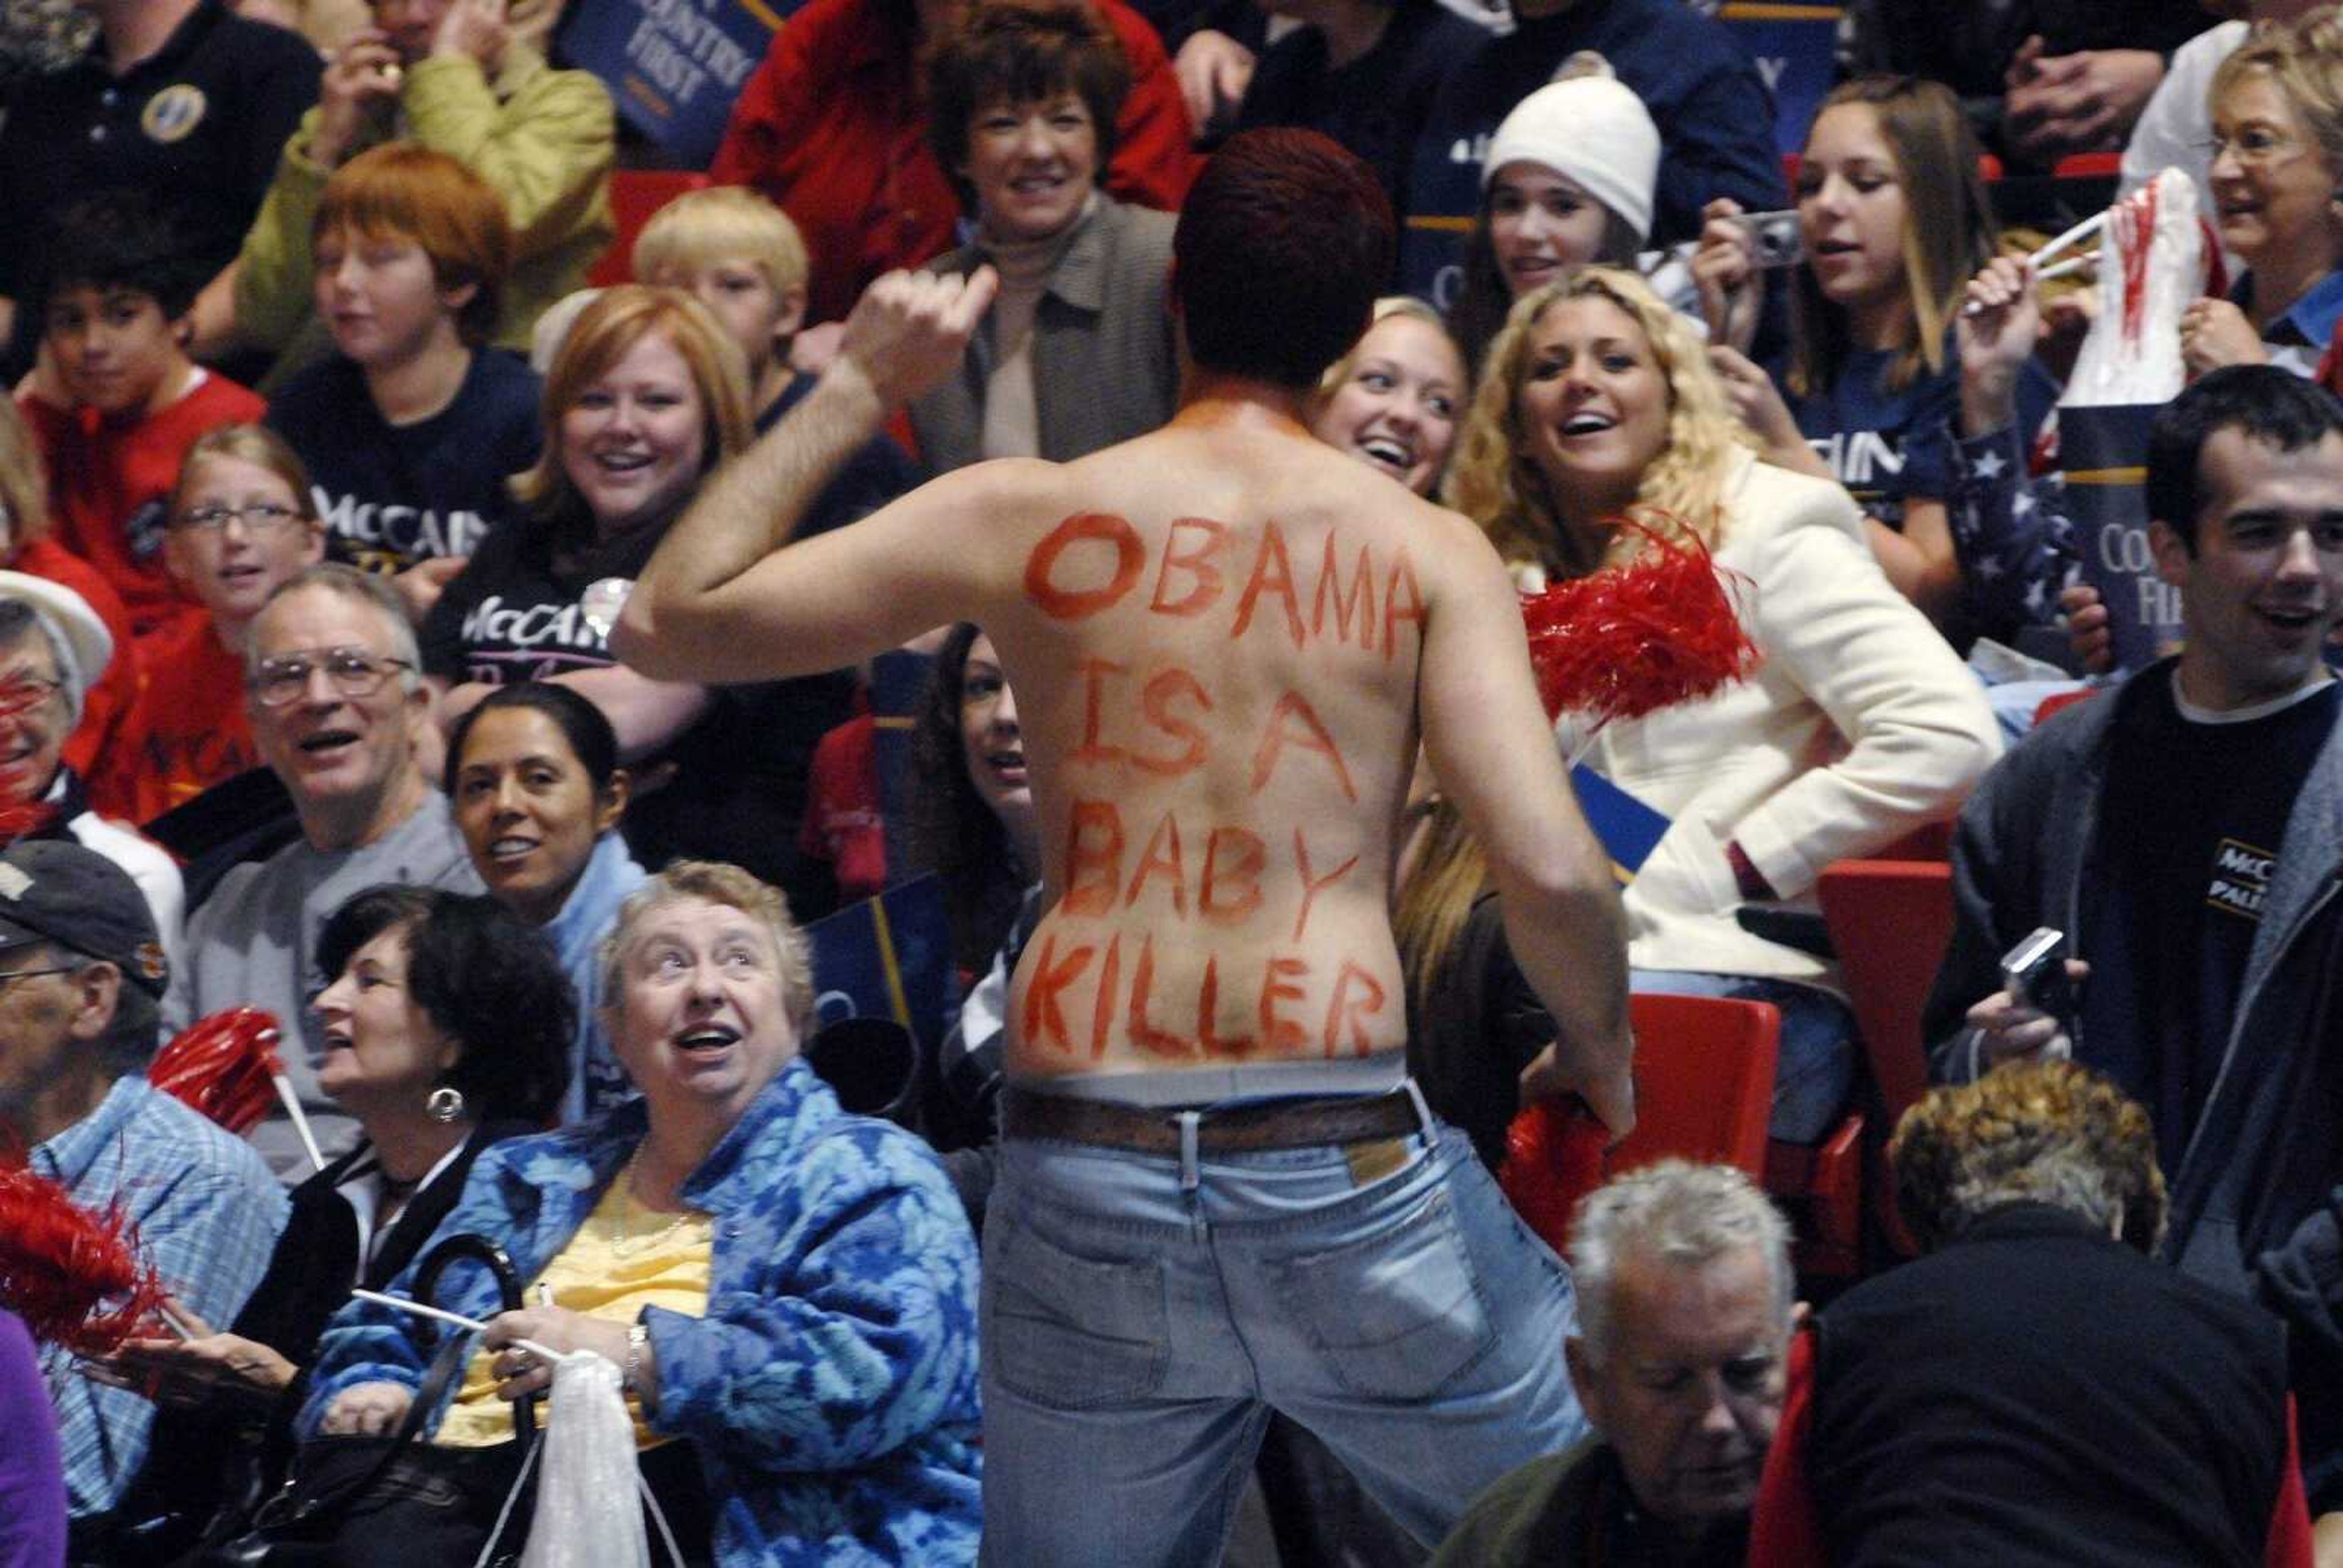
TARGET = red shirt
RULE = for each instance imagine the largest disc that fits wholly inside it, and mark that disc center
(108, 727)
(110, 484)
(190, 731)
(832, 127)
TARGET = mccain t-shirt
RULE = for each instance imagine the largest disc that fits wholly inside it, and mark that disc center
(738, 789)
(393, 495)
(2195, 827)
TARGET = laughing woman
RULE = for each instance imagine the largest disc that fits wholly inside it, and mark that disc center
(788, 1291)
(533, 774)
(647, 396)
(1598, 404)
(1393, 400)
(444, 1028)
(1077, 353)
(2278, 165)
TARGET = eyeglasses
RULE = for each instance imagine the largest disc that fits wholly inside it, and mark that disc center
(23, 693)
(2252, 148)
(353, 672)
(7, 975)
(260, 516)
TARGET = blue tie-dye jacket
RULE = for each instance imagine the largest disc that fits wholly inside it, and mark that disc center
(831, 1393)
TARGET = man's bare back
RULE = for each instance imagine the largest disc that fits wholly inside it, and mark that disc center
(1226, 640)
(1216, 682)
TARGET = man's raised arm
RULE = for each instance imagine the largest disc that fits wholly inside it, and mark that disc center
(698, 611)
(1493, 753)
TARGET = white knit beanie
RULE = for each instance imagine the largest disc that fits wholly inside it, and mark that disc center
(1594, 130)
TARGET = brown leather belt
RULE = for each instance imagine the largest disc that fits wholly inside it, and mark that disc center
(1242, 1129)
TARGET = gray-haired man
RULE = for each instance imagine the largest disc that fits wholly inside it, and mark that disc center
(1683, 1316)
(341, 715)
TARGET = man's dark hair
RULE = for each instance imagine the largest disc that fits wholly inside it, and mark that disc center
(2262, 402)
(1284, 243)
(123, 239)
(483, 978)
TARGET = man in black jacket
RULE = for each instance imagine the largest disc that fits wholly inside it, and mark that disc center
(2185, 833)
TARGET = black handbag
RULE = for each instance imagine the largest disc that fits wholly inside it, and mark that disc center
(390, 1502)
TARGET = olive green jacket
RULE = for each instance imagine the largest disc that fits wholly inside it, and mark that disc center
(544, 138)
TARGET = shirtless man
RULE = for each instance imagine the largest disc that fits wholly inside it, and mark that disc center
(1218, 1192)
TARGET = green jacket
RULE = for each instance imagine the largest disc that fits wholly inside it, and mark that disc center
(1574, 1509)
(542, 137)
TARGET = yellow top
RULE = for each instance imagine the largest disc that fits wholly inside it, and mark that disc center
(624, 1258)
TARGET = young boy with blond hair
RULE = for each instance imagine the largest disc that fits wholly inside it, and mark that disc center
(742, 257)
(739, 256)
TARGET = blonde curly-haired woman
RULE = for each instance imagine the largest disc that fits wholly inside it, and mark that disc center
(1598, 404)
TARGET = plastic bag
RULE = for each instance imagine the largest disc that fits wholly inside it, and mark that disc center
(588, 1514)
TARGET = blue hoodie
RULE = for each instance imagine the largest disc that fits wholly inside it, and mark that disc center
(596, 1082)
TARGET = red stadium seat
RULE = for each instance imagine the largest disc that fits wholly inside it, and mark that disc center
(1890, 921)
(1704, 1080)
(2088, 166)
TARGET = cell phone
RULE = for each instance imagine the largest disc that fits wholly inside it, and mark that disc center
(2034, 973)
(1774, 237)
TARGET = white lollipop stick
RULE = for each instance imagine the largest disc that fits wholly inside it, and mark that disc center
(2072, 263)
(422, 1310)
(292, 1103)
(2081, 231)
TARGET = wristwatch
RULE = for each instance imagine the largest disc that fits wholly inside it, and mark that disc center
(631, 1379)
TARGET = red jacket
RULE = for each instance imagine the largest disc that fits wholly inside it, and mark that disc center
(832, 127)
(110, 483)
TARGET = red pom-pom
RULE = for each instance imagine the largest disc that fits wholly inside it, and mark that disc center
(1631, 640)
(224, 1066)
(1554, 1158)
(60, 1265)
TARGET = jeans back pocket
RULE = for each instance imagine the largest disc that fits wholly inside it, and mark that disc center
(1396, 1315)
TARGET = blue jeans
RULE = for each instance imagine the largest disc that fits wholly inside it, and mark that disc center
(1814, 1071)
(1138, 1330)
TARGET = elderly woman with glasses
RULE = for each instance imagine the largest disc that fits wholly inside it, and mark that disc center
(54, 649)
(2277, 162)
(788, 1292)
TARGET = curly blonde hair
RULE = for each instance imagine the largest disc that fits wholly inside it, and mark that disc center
(1495, 481)
(2044, 1133)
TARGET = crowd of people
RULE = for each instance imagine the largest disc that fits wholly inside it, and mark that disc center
(489, 679)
